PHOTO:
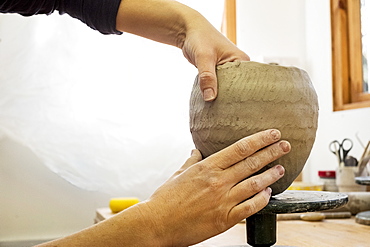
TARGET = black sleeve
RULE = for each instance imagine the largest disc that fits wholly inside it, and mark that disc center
(97, 14)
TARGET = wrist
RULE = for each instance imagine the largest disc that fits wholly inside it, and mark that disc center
(155, 225)
(159, 20)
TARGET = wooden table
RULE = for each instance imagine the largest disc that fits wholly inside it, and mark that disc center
(326, 233)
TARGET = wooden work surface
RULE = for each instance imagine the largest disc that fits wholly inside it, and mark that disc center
(298, 233)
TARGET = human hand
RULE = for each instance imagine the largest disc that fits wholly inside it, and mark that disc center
(206, 48)
(201, 200)
(207, 197)
(173, 23)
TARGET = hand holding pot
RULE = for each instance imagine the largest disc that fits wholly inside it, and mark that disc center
(202, 199)
(173, 23)
(206, 48)
(207, 197)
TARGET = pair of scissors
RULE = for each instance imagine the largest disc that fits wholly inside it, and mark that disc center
(341, 149)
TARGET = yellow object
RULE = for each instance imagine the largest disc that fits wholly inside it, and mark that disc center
(121, 203)
(305, 186)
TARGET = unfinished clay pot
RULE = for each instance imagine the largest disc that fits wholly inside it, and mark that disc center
(253, 97)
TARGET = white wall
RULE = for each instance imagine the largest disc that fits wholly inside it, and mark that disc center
(301, 29)
(272, 29)
(36, 203)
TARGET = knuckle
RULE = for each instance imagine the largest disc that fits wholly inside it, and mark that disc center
(214, 183)
(205, 78)
(255, 205)
(243, 148)
(275, 152)
(200, 167)
(251, 209)
(210, 178)
(255, 184)
(268, 137)
(252, 164)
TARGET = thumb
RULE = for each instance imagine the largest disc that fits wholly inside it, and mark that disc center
(195, 157)
(207, 80)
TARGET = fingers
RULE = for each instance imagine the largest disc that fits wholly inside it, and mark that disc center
(251, 206)
(243, 149)
(255, 184)
(255, 162)
(207, 57)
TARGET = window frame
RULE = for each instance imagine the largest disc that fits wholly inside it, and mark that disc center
(347, 56)
(228, 27)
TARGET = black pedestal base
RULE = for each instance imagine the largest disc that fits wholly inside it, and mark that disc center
(261, 227)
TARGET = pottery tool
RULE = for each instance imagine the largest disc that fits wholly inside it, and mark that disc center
(362, 165)
(341, 149)
(365, 157)
(314, 216)
(121, 203)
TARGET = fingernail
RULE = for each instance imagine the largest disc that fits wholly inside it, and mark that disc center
(275, 134)
(192, 152)
(280, 169)
(268, 190)
(285, 146)
(208, 94)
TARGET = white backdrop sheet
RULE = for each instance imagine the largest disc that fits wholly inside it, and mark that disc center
(106, 113)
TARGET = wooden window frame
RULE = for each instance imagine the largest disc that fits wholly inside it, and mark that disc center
(229, 20)
(347, 71)
(347, 56)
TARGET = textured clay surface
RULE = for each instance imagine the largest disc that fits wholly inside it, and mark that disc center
(253, 97)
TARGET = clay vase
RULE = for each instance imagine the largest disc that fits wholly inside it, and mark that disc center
(253, 97)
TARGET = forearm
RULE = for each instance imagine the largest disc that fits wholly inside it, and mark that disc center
(131, 227)
(202, 199)
(165, 21)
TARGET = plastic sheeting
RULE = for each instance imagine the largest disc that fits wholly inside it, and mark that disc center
(107, 113)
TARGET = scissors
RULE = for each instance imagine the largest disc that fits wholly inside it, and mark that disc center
(342, 149)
